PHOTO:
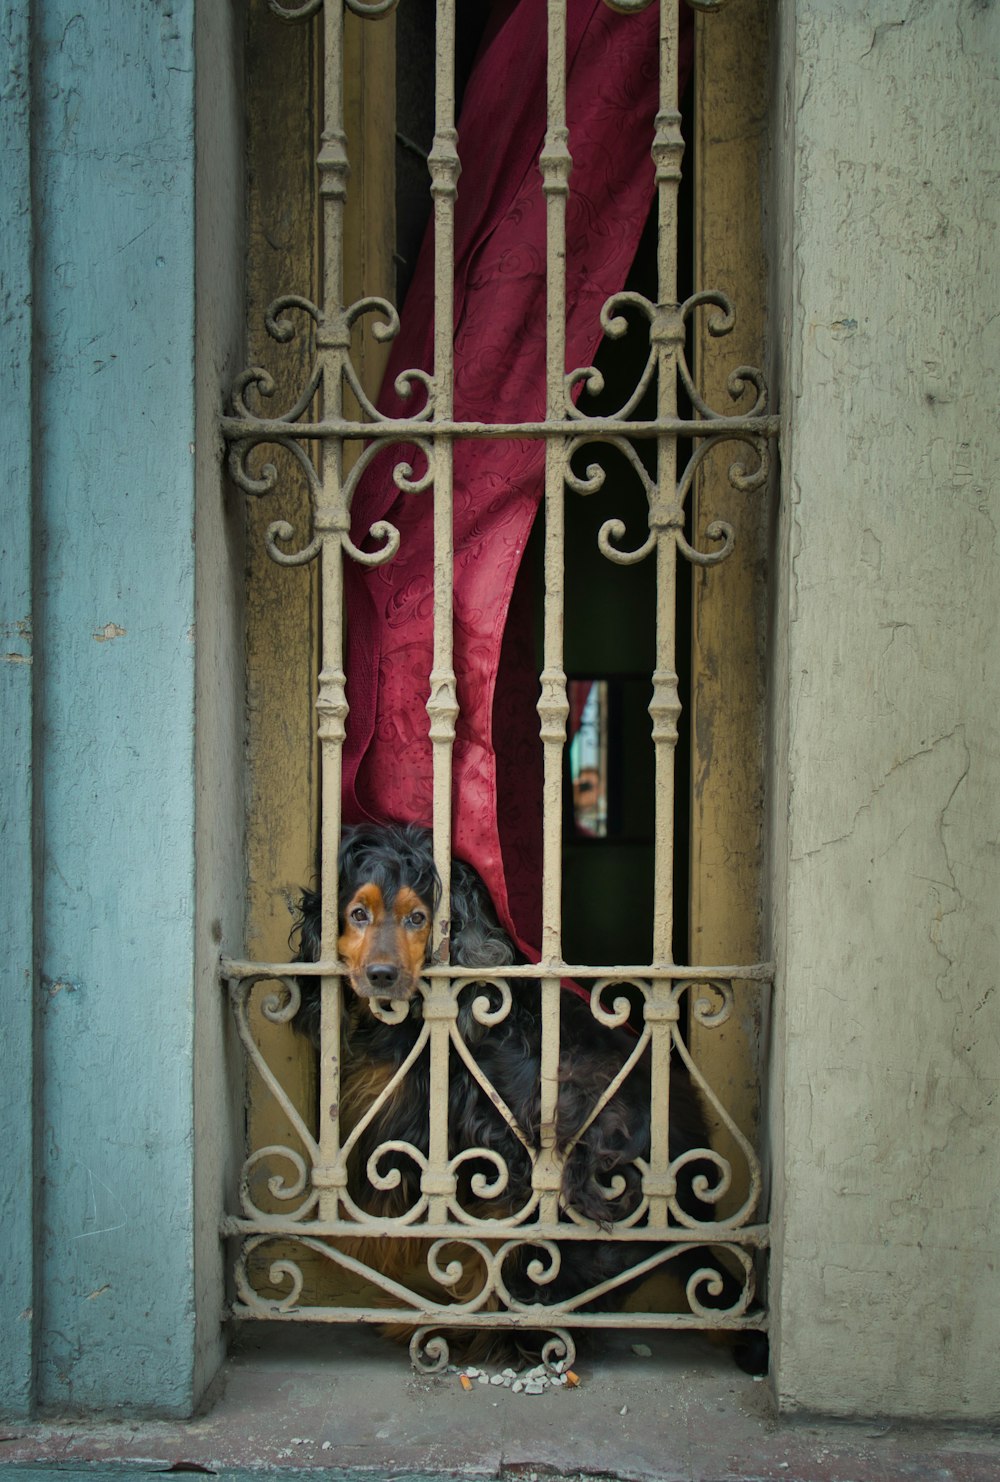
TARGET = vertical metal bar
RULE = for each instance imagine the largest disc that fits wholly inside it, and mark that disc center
(332, 342)
(442, 703)
(666, 519)
(665, 516)
(553, 706)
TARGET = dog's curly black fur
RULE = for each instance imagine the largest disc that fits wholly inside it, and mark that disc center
(600, 1178)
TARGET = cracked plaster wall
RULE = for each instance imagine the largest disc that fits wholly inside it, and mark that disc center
(886, 1282)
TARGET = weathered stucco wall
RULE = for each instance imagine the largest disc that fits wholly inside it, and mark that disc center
(220, 681)
(887, 753)
(102, 644)
(114, 654)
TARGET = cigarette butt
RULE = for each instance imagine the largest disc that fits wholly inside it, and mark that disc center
(572, 1378)
(466, 1382)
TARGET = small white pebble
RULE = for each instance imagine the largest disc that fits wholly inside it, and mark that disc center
(327, 1445)
(509, 1373)
(517, 1386)
(483, 1378)
(471, 1373)
(496, 1379)
(534, 1387)
(623, 1410)
(560, 1379)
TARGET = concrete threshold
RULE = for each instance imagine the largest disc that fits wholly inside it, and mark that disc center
(344, 1404)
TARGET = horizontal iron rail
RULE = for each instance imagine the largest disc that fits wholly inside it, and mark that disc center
(757, 972)
(756, 1236)
(531, 1318)
(238, 429)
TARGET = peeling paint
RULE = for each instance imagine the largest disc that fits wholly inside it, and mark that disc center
(109, 631)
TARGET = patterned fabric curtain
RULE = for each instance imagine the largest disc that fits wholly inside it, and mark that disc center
(500, 254)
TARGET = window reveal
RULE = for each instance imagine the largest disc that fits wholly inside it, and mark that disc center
(437, 432)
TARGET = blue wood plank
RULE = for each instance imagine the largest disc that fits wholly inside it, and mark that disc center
(114, 692)
(16, 695)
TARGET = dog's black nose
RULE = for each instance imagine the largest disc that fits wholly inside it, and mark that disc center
(382, 975)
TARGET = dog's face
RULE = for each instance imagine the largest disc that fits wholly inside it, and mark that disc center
(384, 940)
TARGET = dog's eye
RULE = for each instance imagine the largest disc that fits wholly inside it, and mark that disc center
(360, 916)
(416, 918)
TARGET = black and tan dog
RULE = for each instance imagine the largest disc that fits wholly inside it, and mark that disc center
(388, 893)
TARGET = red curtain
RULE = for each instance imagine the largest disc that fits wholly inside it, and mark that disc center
(612, 70)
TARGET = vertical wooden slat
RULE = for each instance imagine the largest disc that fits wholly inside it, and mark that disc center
(727, 701)
(281, 603)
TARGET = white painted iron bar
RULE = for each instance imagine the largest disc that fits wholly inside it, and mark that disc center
(442, 702)
(553, 707)
(755, 972)
(333, 342)
(596, 428)
(442, 1318)
(664, 707)
(723, 1233)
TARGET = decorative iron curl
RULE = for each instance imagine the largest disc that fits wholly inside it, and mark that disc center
(277, 1187)
(542, 1269)
(402, 473)
(717, 530)
(712, 1282)
(392, 1178)
(739, 477)
(296, 13)
(593, 480)
(450, 1275)
(720, 324)
(371, 9)
(617, 1016)
(616, 530)
(279, 1272)
(429, 1351)
(615, 326)
(384, 332)
(366, 9)
(389, 1010)
(282, 1010)
(559, 1351)
(702, 1013)
(482, 1009)
(240, 990)
(482, 1186)
(701, 1186)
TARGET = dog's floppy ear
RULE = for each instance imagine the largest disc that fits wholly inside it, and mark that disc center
(477, 938)
(309, 926)
(306, 1021)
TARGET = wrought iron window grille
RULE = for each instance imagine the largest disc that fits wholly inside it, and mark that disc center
(308, 1206)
